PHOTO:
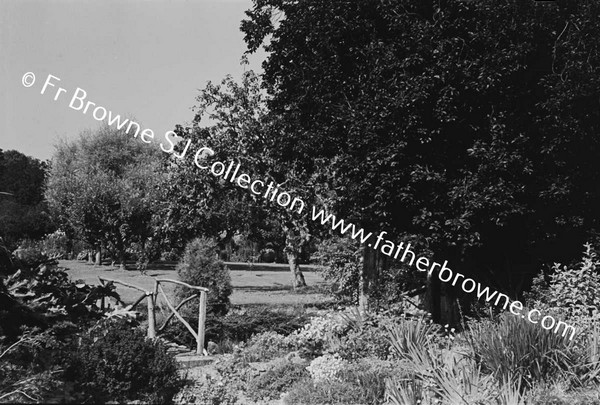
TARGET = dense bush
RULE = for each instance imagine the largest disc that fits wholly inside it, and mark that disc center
(40, 292)
(200, 267)
(206, 392)
(514, 347)
(30, 367)
(359, 383)
(240, 325)
(342, 259)
(114, 362)
(266, 346)
(272, 383)
(55, 244)
(571, 292)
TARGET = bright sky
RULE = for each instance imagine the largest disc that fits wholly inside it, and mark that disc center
(145, 59)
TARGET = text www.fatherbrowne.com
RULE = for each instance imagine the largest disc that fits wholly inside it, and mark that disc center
(445, 274)
(271, 192)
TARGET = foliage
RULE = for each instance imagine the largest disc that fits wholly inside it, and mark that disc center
(23, 215)
(55, 244)
(435, 119)
(409, 333)
(265, 346)
(326, 367)
(342, 258)
(116, 363)
(360, 383)
(514, 347)
(558, 393)
(209, 392)
(199, 267)
(28, 373)
(572, 292)
(105, 189)
(313, 337)
(240, 325)
(447, 375)
(272, 383)
(40, 293)
(367, 338)
(238, 133)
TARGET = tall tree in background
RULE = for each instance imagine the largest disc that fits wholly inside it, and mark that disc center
(200, 203)
(106, 188)
(467, 127)
(23, 212)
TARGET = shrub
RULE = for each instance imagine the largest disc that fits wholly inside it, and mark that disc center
(360, 383)
(55, 244)
(327, 367)
(199, 267)
(512, 346)
(342, 260)
(265, 346)
(411, 333)
(208, 392)
(116, 363)
(272, 383)
(571, 292)
(239, 325)
(28, 371)
(315, 335)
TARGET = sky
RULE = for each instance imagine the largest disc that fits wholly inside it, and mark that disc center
(145, 59)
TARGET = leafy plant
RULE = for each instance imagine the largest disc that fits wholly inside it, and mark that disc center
(116, 363)
(360, 383)
(199, 267)
(272, 383)
(512, 346)
(208, 392)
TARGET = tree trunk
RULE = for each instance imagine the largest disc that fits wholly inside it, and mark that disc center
(369, 268)
(123, 265)
(374, 263)
(292, 251)
(297, 276)
(441, 301)
(90, 257)
(98, 261)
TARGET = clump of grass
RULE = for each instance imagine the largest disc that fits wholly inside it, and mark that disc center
(512, 346)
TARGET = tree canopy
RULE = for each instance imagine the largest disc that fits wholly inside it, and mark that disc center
(105, 188)
(470, 127)
(23, 212)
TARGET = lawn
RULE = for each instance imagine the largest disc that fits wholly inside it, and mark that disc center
(268, 285)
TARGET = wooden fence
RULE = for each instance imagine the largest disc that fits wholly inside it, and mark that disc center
(151, 297)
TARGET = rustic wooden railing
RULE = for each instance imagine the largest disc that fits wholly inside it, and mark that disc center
(151, 297)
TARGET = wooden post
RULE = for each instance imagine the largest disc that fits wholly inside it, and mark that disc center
(151, 320)
(201, 321)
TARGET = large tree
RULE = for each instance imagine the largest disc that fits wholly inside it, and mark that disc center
(106, 188)
(23, 212)
(237, 132)
(467, 127)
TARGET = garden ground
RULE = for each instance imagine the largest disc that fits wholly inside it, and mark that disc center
(263, 284)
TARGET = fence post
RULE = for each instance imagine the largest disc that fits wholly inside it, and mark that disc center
(151, 320)
(201, 321)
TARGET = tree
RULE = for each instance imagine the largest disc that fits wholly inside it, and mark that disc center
(469, 128)
(238, 133)
(23, 212)
(106, 188)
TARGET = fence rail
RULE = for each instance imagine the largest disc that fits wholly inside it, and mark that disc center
(151, 297)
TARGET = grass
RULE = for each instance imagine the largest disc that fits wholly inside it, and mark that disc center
(250, 287)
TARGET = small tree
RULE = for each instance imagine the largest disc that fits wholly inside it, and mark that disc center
(200, 267)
